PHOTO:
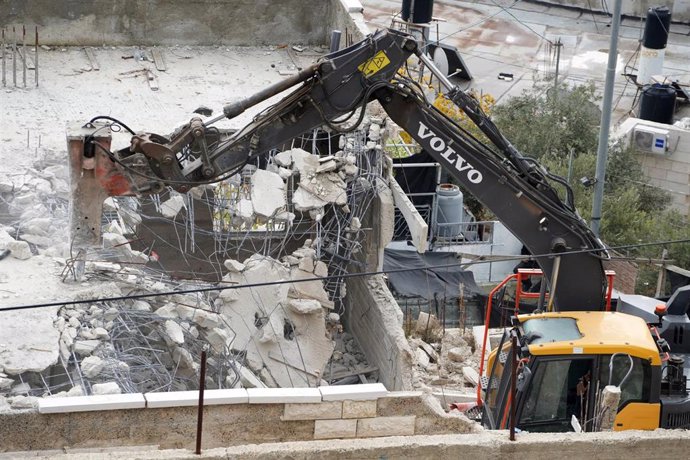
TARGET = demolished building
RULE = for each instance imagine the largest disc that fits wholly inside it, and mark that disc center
(260, 271)
(164, 285)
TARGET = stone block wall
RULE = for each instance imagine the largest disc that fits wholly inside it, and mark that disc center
(375, 320)
(232, 417)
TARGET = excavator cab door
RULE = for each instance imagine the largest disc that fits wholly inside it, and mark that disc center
(497, 385)
(558, 398)
(550, 390)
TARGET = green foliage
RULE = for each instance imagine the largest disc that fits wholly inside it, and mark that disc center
(539, 122)
(549, 128)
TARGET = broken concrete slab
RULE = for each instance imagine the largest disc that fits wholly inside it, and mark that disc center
(108, 388)
(245, 210)
(304, 306)
(288, 349)
(419, 229)
(248, 379)
(303, 200)
(293, 158)
(308, 289)
(233, 266)
(174, 332)
(5, 239)
(268, 193)
(328, 187)
(19, 249)
(219, 339)
(91, 366)
(172, 206)
(471, 375)
(85, 347)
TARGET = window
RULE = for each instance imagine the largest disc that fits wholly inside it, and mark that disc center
(636, 387)
(544, 330)
(554, 395)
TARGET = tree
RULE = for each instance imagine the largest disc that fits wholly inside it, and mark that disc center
(547, 127)
(542, 121)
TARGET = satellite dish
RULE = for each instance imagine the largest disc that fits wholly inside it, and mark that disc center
(441, 60)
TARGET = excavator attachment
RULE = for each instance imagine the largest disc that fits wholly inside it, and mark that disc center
(93, 178)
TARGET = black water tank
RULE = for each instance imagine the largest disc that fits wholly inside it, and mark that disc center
(417, 11)
(658, 103)
(656, 28)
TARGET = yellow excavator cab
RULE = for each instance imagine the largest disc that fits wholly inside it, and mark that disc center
(565, 361)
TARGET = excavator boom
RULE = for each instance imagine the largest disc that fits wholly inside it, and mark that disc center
(338, 88)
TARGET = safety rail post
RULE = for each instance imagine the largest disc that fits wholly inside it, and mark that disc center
(487, 319)
(513, 386)
(200, 413)
(610, 276)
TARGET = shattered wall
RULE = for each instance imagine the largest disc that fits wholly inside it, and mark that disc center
(373, 316)
(175, 22)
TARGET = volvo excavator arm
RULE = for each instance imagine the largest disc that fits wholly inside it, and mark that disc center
(334, 92)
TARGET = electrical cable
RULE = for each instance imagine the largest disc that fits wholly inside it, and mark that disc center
(340, 276)
(114, 120)
(480, 22)
(506, 10)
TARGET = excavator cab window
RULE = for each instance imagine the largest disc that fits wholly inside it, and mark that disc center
(563, 387)
(633, 375)
(559, 389)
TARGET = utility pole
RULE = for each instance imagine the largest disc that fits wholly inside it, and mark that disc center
(558, 46)
(602, 152)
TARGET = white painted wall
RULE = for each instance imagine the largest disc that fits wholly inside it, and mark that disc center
(504, 244)
(669, 171)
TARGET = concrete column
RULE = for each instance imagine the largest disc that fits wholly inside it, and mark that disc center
(608, 406)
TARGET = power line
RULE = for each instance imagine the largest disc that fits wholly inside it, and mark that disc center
(477, 23)
(341, 276)
(519, 21)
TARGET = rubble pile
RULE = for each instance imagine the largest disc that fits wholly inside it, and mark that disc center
(33, 209)
(285, 334)
(281, 328)
(275, 335)
(445, 358)
(348, 364)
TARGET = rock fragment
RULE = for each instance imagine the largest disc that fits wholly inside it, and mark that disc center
(19, 250)
(172, 206)
(174, 332)
(268, 193)
(108, 388)
(91, 366)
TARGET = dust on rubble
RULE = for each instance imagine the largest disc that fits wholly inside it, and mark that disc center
(446, 360)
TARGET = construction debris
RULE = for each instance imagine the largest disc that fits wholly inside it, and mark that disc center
(449, 362)
(283, 334)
